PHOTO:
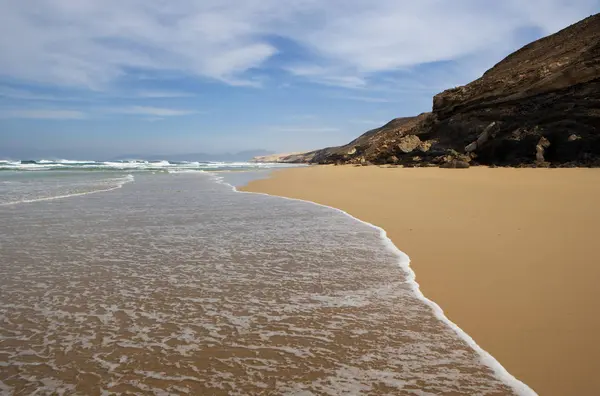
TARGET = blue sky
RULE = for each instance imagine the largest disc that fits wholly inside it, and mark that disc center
(100, 78)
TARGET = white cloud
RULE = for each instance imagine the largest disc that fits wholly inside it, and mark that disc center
(146, 113)
(363, 38)
(93, 43)
(327, 76)
(151, 111)
(162, 94)
(33, 95)
(22, 94)
(43, 114)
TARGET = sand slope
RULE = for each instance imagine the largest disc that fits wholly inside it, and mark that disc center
(511, 255)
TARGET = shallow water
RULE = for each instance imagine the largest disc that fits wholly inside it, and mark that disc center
(176, 284)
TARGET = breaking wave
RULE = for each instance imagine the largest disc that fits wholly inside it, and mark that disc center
(131, 165)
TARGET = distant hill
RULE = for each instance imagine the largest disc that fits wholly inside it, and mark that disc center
(284, 157)
(540, 106)
(242, 156)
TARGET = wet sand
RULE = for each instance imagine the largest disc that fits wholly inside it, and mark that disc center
(511, 255)
(176, 285)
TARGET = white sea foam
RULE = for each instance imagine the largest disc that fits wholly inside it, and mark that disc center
(135, 165)
(404, 262)
(276, 287)
(64, 162)
(117, 183)
(161, 163)
(185, 170)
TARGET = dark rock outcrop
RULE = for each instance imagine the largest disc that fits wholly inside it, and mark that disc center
(380, 145)
(538, 107)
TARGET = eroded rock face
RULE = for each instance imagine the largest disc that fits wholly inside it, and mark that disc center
(425, 146)
(549, 89)
(482, 138)
(409, 143)
(377, 145)
(541, 147)
(548, 92)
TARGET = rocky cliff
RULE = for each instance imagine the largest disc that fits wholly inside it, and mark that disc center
(538, 107)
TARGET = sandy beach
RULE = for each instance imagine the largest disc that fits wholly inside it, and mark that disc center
(511, 255)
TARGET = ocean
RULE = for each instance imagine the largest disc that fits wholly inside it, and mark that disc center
(160, 278)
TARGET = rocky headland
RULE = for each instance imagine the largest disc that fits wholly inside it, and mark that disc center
(540, 106)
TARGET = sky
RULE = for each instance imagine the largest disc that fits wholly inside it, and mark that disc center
(100, 78)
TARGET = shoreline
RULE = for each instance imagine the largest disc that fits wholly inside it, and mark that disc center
(300, 184)
(487, 359)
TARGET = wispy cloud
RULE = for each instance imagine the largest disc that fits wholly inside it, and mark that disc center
(94, 43)
(327, 76)
(43, 114)
(162, 94)
(37, 95)
(22, 94)
(146, 113)
(150, 111)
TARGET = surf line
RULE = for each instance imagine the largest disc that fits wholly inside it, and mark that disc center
(404, 262)
(128, 179)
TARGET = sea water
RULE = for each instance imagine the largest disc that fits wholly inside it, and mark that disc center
(144, 282)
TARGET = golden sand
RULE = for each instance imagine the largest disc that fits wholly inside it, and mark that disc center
(511, 255)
